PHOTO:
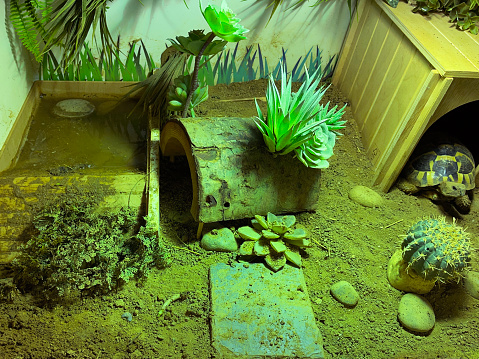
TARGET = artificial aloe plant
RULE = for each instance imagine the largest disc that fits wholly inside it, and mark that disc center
(298, 122)
(275, 239)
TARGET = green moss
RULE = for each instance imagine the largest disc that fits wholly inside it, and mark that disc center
(75, 250)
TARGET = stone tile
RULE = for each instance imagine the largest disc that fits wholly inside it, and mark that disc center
(257, 313)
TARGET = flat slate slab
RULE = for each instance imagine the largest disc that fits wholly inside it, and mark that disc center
(257, 313)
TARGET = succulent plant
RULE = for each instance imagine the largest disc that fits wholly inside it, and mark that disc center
(179, 92)
(223, 22)
(464, 13)
(194, 42)
(274, 239)
(436, 250)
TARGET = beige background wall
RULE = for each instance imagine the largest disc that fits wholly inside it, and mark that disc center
(17, 76)
(296, 30)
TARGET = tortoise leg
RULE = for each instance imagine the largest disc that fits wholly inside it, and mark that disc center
(406, 186)
(463, 203)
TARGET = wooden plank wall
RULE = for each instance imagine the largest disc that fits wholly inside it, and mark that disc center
(385, 79)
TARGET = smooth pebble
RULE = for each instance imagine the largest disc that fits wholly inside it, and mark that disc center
(345, 293)
(220, 240)
(471, 282)
(365, 196)
(415, 313)
(127, 316)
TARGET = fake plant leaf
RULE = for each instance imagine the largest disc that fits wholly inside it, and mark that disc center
(289, 220)
(293, 257)
(278, 246)
(261, 248)
(296, 234)
(261, 221)
(247, 248)
(278, 241)
(248, 233)
(275, 261)
(294, 118)
(270, 217)
(223, 22)
(269, 234)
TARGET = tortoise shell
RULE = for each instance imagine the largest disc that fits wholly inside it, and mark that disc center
(444, 162)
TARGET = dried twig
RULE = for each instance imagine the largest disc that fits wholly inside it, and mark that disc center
(392, 224)
(322, 246)
(169, 301)
(186, 249)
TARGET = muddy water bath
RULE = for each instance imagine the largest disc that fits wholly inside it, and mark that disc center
(108, 138)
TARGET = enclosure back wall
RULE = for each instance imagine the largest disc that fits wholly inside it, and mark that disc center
(17, 77)
(296, 30)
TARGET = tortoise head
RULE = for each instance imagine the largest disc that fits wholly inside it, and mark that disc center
(452, 189)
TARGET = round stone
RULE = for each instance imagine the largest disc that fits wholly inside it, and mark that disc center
(416, 314)
(73, 108)
(471, 282)
(220, 240)
(406, 280)
(345, 293)
(365, 196)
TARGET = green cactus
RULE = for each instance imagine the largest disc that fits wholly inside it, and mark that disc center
(274, 239)
(436, 250)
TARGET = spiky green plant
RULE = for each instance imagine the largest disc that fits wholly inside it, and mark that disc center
(44, 25)
(298, 122)
(274, 239)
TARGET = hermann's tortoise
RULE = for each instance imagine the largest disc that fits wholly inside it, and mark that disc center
(443, 171)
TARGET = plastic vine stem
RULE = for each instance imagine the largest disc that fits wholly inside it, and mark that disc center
(194, 76)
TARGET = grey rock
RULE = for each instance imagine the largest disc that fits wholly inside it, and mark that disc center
(416, 314)
(260, 314)
(220, 240)
(345, 293)
(127, 316)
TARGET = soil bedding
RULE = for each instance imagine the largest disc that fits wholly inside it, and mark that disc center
(351, 242)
